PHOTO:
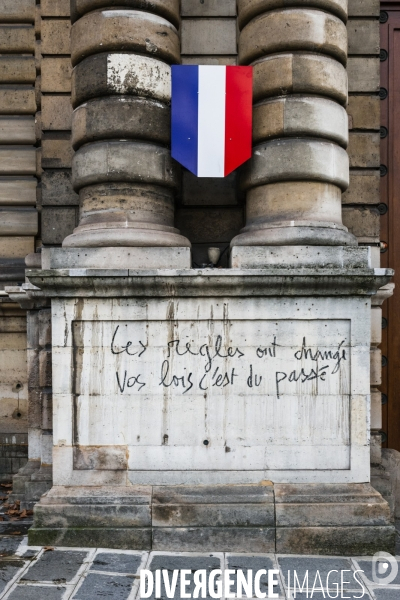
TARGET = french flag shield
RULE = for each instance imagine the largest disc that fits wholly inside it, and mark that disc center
(211, 118)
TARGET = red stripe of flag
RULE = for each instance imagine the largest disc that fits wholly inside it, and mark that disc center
(239, 117)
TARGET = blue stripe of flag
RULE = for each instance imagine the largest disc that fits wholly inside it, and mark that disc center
(185, 115)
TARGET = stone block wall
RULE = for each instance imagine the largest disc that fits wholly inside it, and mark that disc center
(360, 202)
(18, 215)
(58, 201)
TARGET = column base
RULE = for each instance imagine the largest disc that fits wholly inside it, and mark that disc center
(100, 237)
(130, 257)
(345, 519)
(292, 234)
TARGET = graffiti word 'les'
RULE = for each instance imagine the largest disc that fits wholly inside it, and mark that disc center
(129, 382)
(209, 352)
(126, 347)
(302, 376)
(338, 355)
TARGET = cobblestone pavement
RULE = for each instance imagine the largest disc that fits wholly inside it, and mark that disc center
(91, 574)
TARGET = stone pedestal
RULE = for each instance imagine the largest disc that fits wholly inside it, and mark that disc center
(197, 378)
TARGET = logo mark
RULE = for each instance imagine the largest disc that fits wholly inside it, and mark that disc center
(384, 568)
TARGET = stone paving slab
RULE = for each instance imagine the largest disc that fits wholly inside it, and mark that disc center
(35, 573)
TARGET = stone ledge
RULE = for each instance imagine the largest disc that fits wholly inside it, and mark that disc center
(271, 281)
(306, 518)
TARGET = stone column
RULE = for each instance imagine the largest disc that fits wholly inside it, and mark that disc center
(300, 166)
(123, 168)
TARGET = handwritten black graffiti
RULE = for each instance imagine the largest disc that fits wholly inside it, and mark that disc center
(126, 347)
(338, 355)
(209, 352)
(253, 380)
(130, 382)
(269, 351)
(168, 380)
(302, 376)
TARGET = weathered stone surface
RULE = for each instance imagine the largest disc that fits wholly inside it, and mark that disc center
(17, 130)
(124, 162)
(115, 258)
(17, 39)
(335, 540)
(299, 73)
(17, 11)
(57, 223)
(16, 246)
(169, 9)
(209, 36)
(254, 257)
(121, 73)
(17, 69)
(17, 100)
(363, 36)
(57, 151)
(364, 150)
(208, 8)
(120, 30)
(363, 222)
(300, 116)
(56, 113)
(310, 30)
(19, 221)
(209, 60)
(364, 187)
(220, 539)
(121, 117)
(56, 74)
(213, 494)
(207, 515)
(55, 8)
(364, 74)
(364, 112)
(367, 8)
(294, 201)
(57, 189)
(78, 515)
(297, 159)
(127, 202)
(55, 36)
(111, 458)
(248, 9)
(123, 538)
